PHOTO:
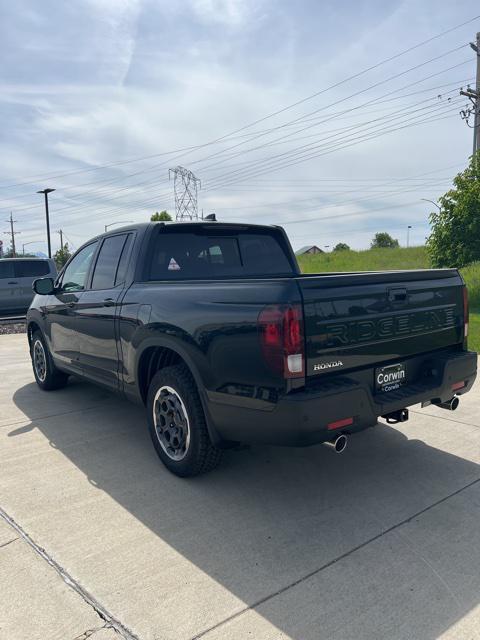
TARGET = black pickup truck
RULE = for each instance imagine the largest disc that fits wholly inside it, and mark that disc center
(213, 327)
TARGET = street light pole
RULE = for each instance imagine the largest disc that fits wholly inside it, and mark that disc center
(432, 202)
(408, 235)
(47, 215)
(24, 244)
(119, 222)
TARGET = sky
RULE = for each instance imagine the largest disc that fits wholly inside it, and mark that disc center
(274, 106)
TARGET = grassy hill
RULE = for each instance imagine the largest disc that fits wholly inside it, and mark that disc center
(401, 258)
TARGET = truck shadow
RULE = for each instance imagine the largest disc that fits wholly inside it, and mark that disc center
(270, 517)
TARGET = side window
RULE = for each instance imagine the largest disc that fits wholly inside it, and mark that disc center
(123, 264)
(75, 275)
(31, 268)
(107, 262)
(6, 270)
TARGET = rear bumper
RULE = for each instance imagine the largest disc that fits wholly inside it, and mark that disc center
(302, 418)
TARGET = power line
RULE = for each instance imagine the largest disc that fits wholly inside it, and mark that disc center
(375, 99)
(353, 77)
(353, 95)
(259, 120)
(217, 180)
(97, 216)
(100, 214)
(126, 188)
(352, 109)
(250, 172)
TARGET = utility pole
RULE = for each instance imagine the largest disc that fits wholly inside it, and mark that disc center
(12, 233)
(61, 238)
(185, 185)
(408, 235)
(47, 216)
(474, 96)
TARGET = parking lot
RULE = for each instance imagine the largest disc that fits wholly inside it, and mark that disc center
(98, 540)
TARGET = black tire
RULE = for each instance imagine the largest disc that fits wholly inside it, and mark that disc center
(48, 377)
(183, 443)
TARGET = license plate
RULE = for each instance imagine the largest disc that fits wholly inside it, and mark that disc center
(391, 377)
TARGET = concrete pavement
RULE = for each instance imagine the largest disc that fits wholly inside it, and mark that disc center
(381, 542)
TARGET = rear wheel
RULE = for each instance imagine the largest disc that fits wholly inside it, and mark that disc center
(177, 423)
(47, 376)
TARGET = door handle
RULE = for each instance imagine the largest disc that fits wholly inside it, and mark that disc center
(108, 302)
(13, 282)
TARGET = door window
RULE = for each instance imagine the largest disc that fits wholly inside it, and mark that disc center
(124, 261)
(107, 262)
(75, 275)
(6, 270)
(31, 268)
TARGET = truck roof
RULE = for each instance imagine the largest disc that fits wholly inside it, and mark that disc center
(143, 225)
(190, 223)
(19, 258)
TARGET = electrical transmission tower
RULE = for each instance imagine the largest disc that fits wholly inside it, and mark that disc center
(185, 185)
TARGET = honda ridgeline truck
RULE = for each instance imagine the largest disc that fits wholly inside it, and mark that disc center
(216, 331)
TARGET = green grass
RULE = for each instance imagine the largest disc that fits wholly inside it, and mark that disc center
(370, 260)
(401, 258)
(474, 332)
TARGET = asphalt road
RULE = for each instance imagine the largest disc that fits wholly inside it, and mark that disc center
(98, 540)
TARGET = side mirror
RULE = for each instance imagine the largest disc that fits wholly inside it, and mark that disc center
(43, 286)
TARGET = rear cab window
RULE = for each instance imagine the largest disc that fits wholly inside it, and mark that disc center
(31, 268)
(214, 252)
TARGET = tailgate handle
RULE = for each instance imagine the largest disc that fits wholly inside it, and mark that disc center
(397, 295)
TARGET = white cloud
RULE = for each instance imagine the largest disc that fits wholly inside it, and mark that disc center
(233, 13)
(138, 78)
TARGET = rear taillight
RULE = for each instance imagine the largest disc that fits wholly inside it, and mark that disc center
(465, 311)
(281, 335)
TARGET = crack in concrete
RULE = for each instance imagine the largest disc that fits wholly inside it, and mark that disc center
(7, 543)
(105, 615)
(89, 632)
(447, 418)
(330, 563)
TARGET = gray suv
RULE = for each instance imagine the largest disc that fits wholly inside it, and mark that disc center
(16, 278)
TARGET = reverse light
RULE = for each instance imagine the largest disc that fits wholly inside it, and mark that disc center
(282, 339)
(465, 312)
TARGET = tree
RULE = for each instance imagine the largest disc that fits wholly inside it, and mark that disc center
(341, 246)
(62, 256)
(18, 254)
(455, 237)
(384, 240)
(163, 216)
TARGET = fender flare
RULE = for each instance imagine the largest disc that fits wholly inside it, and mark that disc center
(177, 347)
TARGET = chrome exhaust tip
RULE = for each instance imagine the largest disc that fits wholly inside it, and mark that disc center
(450, 405)
(338, 444)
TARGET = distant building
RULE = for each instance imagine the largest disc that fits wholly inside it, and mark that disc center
(309, 249)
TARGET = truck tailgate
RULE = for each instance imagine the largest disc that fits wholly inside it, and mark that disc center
(362, 319)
